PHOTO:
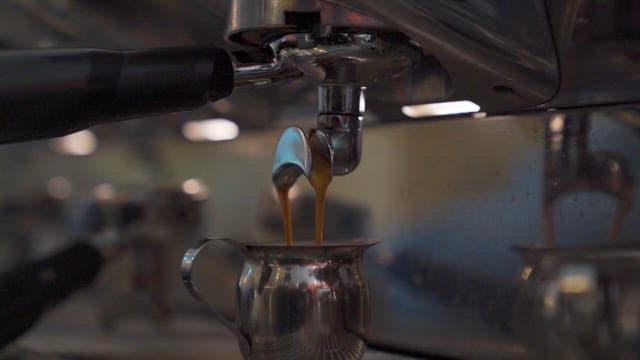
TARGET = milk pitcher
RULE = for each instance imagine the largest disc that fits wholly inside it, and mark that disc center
(298, 301)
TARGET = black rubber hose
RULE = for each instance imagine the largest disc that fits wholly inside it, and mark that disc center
(53, 92)
(27, 292)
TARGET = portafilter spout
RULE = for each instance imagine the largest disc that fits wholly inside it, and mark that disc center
(340, 114)
(343, 65)
(292, 159)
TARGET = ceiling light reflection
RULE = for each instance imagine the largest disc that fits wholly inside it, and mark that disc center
(210, 130)
(577, 279)
(557, 122)
(439, 109)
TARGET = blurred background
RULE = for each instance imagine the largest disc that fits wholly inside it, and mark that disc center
(448, 199)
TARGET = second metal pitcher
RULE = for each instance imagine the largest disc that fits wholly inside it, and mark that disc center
(298, 301)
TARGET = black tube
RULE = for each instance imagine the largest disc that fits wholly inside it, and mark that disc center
(53, 92)
(26, 292)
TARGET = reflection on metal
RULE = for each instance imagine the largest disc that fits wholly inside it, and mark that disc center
(492, 57)
(80, 143)
(331, 57)
(556, 124)
(348, 58)
(149, 228)
(570, 167)
(296, 301)
(258, 75)
(597, 43)
(577, 279)
(442, 108)
(256, 22)
(210, 130)
(574, 300)
(526, 272)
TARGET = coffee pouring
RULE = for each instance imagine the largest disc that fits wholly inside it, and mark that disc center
(320, 177)
(298, 300)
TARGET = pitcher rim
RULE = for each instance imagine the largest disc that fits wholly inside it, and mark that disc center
(307, 250)
(356, 243)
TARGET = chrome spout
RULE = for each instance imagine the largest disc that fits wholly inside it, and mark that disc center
(340, 113)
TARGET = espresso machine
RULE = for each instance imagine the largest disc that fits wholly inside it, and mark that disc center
(481, 119)
(430, 50)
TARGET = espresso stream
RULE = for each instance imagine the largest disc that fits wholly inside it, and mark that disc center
(287, 220)
(320, 178)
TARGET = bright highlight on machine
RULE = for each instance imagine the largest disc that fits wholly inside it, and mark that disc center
(210, 130)
(81, 143)
(439, 109)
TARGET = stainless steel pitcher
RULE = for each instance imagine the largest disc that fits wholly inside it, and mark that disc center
(296, 301)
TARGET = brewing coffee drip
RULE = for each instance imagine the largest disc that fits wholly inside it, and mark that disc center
(320, 177)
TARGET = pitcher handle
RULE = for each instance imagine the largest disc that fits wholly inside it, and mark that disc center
(185, 271)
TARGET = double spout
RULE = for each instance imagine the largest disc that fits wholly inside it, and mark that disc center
(342, 64)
